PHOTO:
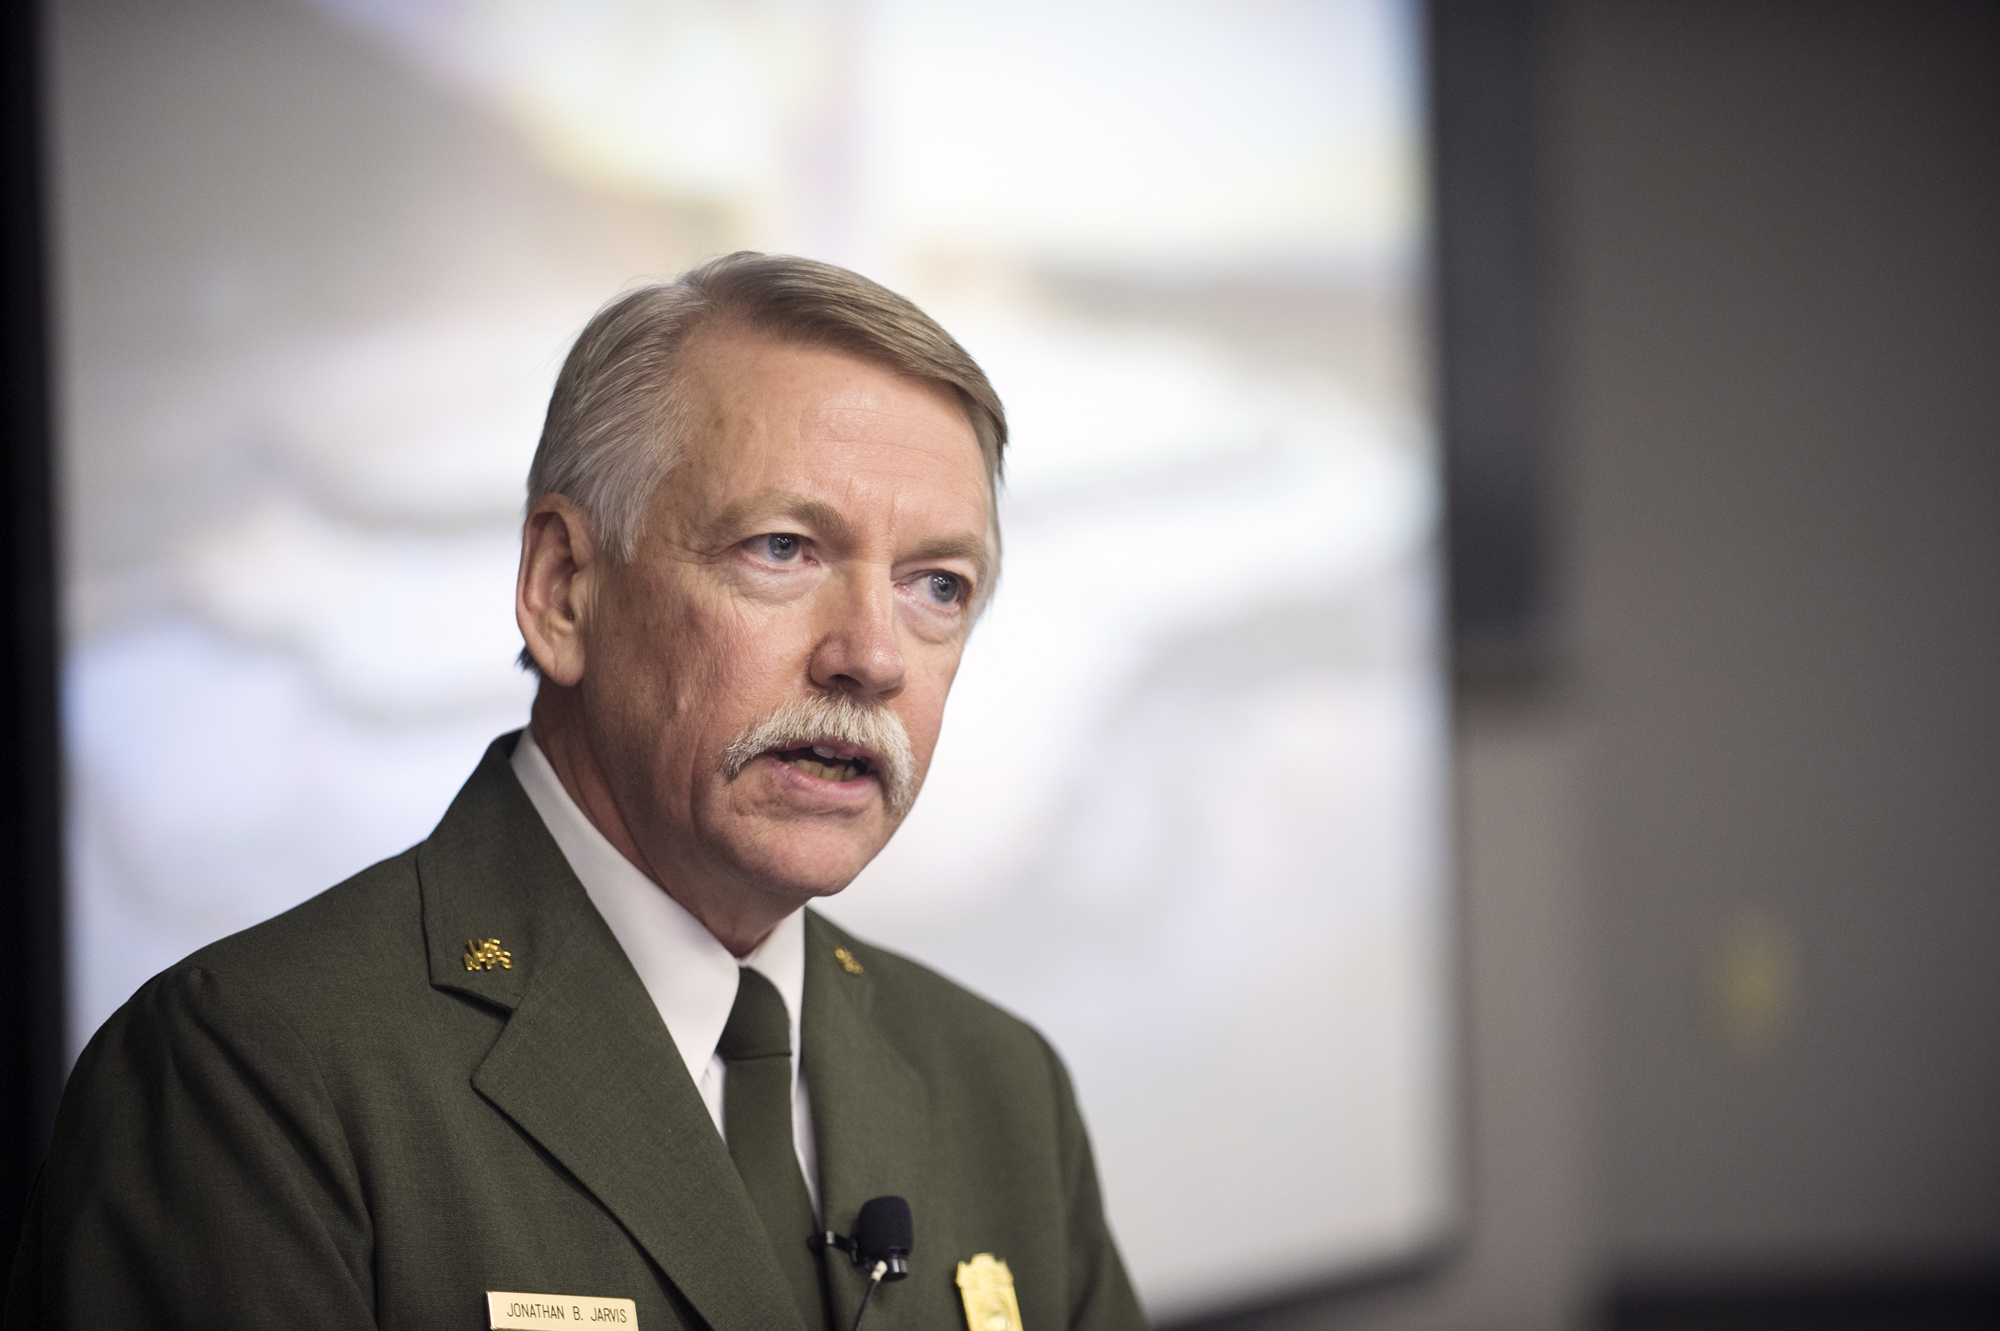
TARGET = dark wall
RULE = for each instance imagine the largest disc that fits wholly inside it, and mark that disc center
(30, 929)
(1780, 229)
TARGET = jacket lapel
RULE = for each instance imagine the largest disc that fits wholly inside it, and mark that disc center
(870, 1114)
(584, 1064)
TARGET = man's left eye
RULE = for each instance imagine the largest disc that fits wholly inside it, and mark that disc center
(944, 588)
(781, 546)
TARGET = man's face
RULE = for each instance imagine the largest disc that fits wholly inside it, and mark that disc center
(823, 538)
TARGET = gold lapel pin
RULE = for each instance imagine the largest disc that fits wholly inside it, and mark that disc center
(485, 954)
(847, 961)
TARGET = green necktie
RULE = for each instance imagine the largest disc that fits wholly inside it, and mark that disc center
(757, 1120)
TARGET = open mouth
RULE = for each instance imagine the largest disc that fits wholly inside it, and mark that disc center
(861, 751)
(825, 762)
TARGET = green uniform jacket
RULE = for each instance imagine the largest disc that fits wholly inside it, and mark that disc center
(330, 1121)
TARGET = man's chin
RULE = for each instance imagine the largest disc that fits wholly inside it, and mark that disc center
(806, 858)
(790, 835)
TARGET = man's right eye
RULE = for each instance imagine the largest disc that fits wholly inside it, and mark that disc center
(780, 546)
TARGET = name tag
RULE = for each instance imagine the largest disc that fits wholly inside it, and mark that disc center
(542, 1312)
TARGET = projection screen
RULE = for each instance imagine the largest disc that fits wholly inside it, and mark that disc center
(318, 265)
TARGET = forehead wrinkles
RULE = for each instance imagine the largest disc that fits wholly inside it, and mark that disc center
(761, 414)
(743, 373)
(870, 401)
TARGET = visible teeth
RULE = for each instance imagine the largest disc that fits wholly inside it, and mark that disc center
(823, 751)
(834, 771)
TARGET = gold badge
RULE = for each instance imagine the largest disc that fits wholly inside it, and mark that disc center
(988, 1289)
(847, 961)
(485, 954)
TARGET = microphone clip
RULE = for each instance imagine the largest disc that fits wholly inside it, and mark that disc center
(896, 1264)
(828, 1239)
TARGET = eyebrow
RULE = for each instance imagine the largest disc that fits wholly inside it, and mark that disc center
(786, 504)
(819, 514)
(964, 546)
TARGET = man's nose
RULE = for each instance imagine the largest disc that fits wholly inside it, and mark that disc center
(858, 651)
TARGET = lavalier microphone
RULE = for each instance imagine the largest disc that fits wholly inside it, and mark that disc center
(883, 1236)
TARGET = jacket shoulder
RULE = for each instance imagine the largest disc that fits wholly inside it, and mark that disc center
(928, 1011)
(338, 958)
(371, 920)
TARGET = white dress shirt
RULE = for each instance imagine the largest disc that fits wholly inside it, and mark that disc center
(690, 976)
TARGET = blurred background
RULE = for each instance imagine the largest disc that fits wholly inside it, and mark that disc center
(1681, 1010)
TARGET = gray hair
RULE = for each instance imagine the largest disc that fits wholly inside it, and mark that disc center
(616, 424)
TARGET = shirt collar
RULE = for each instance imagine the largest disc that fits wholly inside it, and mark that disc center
(690, 976)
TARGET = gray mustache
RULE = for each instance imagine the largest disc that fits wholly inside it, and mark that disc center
(805, 721)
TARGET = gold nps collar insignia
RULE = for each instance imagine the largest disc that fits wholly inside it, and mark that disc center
(988, 1289)
(485, 954)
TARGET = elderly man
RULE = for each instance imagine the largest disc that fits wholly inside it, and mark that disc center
(540, 1068)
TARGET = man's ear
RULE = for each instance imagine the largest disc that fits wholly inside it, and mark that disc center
(560, 567)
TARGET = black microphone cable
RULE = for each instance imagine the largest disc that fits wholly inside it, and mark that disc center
(874, 1283)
